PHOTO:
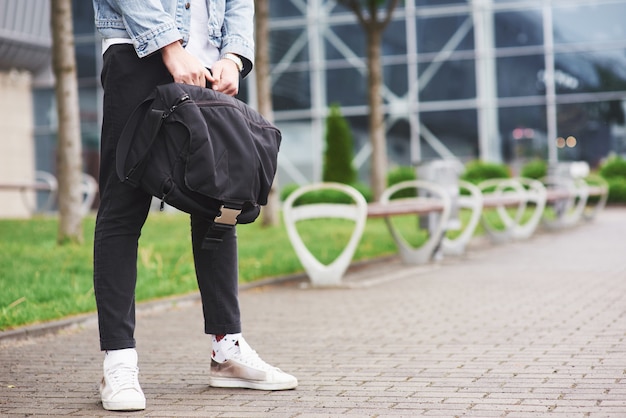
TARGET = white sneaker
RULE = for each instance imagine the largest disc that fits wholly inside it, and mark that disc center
(120, 390)
(247, 370)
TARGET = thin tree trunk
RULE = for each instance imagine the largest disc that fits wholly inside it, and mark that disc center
(378, 141)
(69, 161)
(270, 214)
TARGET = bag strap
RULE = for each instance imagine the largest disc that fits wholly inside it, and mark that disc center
(141, 115)
(223, 222)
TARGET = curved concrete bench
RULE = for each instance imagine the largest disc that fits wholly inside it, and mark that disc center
(513, 193)
(319, 273)
(568, 197)
(439, 201)
(89, 189)
(474, 203)
(600, 191)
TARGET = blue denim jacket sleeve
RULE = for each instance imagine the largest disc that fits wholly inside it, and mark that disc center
(231, 26)
(153, 24)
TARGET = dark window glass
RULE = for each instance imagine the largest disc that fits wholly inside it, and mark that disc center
(284, 8)
(346, 86)
(455, 129)
(452, 80)
(591, 71)
(82, 14)
(395, 77)
(438, 2)
(518, 28)
(347, 40)
(86, 61)
(434, 33)
(523, 132)
(291, 90)
(520, 76)
(283, 41)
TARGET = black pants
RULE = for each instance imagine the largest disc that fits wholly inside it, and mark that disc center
(127, 80)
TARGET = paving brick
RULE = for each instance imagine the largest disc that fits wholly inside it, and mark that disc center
(523, 329)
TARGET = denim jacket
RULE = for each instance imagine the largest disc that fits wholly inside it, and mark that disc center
(153, 24)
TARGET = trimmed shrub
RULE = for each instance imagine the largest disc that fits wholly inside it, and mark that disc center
(478, 171)
(613, 167)
(339, 149)
(325, 196)
(398, 175)
(614, 172)
(287, 189)
(535, 169)
(617, 190)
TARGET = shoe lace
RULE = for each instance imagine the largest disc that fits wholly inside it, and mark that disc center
(124, 376)
(250, 357)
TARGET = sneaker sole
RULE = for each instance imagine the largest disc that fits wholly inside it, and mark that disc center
(124, 406)
(218, 382)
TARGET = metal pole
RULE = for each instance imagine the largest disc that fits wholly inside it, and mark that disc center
(551, 125)
(486, 89)
(413, 83)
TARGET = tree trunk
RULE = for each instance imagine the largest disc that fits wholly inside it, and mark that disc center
(69, 161)
(378, 141)
(270, 214)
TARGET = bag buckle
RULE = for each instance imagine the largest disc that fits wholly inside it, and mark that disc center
(227, 216)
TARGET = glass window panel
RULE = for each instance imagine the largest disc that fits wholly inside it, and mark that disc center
(454, 80)
(395, 77)
(518, 1)
(523, 133)
(394, 39)
(520, 76)
(438, 2)
(433, 33)
(591, 71)
(86, 61)
(522, 28)
(460, 137)
(591, 125)
(82, 16)
(346, 86)
(291, 91)
(285, 8)
(399, 143)
(282, 41)
(589, 23)
(348, 40)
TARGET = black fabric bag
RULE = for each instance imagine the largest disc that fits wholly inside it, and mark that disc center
(202, 152)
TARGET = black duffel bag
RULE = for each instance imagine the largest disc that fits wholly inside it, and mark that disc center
(200, 151)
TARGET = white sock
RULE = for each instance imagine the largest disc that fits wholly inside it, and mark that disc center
(124, 356)
(225, 346)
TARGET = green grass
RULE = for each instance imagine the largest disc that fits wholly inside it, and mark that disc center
(41, 281)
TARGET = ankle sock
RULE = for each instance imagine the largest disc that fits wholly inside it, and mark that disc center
(225, 346)
(124, 356)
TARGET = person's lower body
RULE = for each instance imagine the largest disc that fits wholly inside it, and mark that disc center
(128, 80)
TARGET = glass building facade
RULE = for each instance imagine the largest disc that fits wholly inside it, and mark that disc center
(500, 80)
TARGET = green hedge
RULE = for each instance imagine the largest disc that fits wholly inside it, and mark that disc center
(614, 172)
(479, 171)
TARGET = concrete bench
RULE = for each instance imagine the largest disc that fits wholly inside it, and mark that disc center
(325, 274)
(511, 199)
(520, 193)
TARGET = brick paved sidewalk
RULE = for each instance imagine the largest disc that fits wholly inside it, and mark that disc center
(527, 329)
